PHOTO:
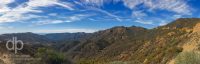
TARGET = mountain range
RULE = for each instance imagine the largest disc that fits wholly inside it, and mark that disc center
(119, 45)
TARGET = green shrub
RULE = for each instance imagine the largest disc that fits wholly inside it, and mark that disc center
(188, 58)
(51, 56)
(124, 62)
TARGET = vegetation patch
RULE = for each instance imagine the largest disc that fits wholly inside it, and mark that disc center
(191, 57)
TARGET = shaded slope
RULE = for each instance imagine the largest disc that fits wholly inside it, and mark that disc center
(136, 44)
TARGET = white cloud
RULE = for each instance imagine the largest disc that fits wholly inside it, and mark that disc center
(78, 17)
(162, 23)
(73, 30)
(176, 16)
(107, 13)
(44, 22)
(94, 4)
(144, 22)
(3, 6)
(138, 14)
(45, 3)
(66, 5)
(178, 6)
(17, 16)
(6, 1)
(73, 18)
(97, 3)
(20, 12)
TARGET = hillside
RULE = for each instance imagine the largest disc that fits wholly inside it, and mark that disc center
(61, 37)
(37, 46)
(169, 44)
(26, 37)
(139, 45)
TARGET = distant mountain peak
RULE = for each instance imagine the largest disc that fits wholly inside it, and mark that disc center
(183, 23)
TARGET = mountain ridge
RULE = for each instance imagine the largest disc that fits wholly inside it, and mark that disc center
(122, 43)
(126, 45)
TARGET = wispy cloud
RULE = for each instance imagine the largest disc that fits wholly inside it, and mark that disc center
(139, 14)
(19, 13)
(3, 6)
(140, 11)
(95, 4)
(107, 13)
(176, 16)
(177, 6)
(98, 3)
(144, 22)
(61, 19)
(44, 22)
(162, 23)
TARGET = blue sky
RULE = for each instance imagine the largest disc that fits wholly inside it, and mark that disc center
(56, 16)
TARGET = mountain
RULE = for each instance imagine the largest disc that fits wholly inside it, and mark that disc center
(33, 43)
(175, 43)
(137, 45)
(26, 37)
(67, 36)
(46, 38)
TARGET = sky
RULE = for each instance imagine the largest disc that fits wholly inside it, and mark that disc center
(58, 16)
